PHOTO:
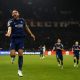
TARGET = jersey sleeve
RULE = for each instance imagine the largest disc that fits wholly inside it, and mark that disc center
(25, 23)
(9, 23)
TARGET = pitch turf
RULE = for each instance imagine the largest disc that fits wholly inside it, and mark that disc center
(36, 69)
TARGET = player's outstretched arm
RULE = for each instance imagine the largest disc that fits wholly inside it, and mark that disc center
(8, 32)
(29, 31)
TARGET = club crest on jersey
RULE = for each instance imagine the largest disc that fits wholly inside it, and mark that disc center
(21, 21)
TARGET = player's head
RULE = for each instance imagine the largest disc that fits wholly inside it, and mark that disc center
(76, 43)
(59, 40)
(15, 14)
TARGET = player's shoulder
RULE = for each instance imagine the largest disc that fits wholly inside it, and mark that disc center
(10, 20)
(22, 19)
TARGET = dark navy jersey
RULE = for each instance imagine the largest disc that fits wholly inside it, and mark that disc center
(76, 47)
(58, 46)
(41, 48)
(18, 27)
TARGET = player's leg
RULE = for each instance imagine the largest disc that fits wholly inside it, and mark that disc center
(77, 59)
(74, 60)
(20, 62)
(12, 54)
(61, 58)
(58, 60)
(41, 55)
(12, 50)
(20, 48)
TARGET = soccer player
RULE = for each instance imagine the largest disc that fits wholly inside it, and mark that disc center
(59, 47)
(16, 30)
(44, 49)
(41, 51)
(75, 50)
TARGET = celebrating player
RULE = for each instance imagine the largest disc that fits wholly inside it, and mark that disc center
(76, 49)
(58, 47)
(16, 30)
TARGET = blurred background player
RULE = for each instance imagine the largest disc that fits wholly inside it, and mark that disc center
(42, 49)
(75, 50)
(59, 47)
(16, 30)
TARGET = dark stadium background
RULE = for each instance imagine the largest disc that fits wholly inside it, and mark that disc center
(65, 11)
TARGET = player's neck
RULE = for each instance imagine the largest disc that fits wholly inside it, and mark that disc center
(59, 42)
(16, 18)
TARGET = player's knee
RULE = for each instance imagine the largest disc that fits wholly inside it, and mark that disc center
(74, 57)
(12, 53)
(20, 52)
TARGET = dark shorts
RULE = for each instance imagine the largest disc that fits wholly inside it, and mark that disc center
(76, 54)
(16, 44)
(59, 55)
(41, 52)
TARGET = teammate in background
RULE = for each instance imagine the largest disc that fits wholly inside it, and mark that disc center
(75, 50)
(41, 51)
(59, 47)
(44, 49)
(16, 30)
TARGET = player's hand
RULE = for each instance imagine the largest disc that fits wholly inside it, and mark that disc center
(8, 35)
(33, 36)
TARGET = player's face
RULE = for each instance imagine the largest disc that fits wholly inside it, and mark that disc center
(59, 41)
(76, 43)
(15, 14)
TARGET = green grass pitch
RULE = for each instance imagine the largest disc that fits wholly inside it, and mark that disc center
(36, 69)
